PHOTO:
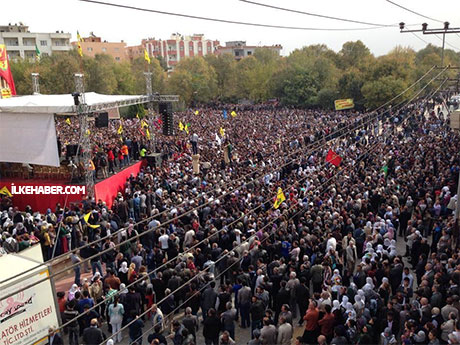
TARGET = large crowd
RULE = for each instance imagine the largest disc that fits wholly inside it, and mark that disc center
(363, 253)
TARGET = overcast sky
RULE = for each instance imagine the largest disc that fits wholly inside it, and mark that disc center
(115, 24)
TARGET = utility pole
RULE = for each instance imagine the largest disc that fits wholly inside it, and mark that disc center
(426, 31)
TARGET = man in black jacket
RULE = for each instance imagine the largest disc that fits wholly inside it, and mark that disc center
(93, 335)
(211, 328)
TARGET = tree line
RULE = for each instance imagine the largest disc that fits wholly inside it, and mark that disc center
(313, 76)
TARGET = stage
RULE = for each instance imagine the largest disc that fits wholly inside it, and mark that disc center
(105, 190)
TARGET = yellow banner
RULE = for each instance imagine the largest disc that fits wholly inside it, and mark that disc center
(341, 104)
(6, 92)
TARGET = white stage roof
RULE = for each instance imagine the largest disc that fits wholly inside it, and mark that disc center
(52, 104)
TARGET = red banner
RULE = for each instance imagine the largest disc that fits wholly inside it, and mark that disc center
(333, 158)
(5, 70)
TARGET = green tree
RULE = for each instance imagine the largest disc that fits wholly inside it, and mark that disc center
(194, 80)
(225, 67)
(377, 92)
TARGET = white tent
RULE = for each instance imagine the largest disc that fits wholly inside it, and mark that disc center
(27, 130)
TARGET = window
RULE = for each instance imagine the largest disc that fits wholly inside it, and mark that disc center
(199, 48)
(117, 58)
(249, 52)
(90, 49)
(209, 48)
(104, 49)
(43, 43)
(117, 49)
(237, 53)
(181, 48)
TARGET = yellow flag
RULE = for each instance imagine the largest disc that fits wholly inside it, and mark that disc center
(181, 126)
(144, 124)
(279, 198)
(120, 129)
(137, 116)
(78, 37)
(88, 132)
(222, 131)
(233, 113)
(79, 49)
(146, 56)
(68, 121)
(196, 112)
(187, 127)
(86, 218)
(5, 191)
(147, 133)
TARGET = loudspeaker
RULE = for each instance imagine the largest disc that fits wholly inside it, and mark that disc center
(165, 109)
(102, 120)
(71, 150)
(154, 160)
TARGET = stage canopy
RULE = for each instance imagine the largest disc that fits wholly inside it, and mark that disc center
(27, 130)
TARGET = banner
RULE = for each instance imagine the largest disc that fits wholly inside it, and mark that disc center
(341, 104)
(26, 316)
(5, 92)
(5, 71)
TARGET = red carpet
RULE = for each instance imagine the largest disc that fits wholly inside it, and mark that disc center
(107, 190)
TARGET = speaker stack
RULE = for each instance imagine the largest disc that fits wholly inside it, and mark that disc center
(102, 120)
(165, 109)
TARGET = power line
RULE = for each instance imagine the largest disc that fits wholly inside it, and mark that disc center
(414, 12)
(316, 15)
(450, 45)
(225, 20)
(421, 39)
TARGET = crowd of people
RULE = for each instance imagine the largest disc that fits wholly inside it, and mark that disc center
(212, 245)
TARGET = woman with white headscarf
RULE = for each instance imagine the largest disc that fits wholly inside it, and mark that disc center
(336, 282)
(344, 302)
(335, 305)
(350, 313)
(123, 272)
(73, 290)
(370, 282)
(358, 306)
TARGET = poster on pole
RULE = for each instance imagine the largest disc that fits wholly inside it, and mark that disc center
(27, 315)
(341, 104)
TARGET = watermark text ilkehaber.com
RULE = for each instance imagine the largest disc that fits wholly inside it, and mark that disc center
(47, 189)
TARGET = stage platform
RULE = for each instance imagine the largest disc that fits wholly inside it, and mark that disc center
(105, 190)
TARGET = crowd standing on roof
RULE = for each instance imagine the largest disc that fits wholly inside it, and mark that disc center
(327, 259)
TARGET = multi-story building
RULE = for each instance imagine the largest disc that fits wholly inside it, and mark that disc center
(20, 42)
(174, 49)
(239, 49)
(93, 45)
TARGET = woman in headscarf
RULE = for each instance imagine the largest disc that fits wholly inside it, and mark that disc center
(123, 272)
(73, 290)
(370, 282)
(350, 312)
(359, 305)
(336, 282)
(385, 290)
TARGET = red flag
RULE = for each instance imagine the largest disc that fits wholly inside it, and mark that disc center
(5, 71)
(333, 158)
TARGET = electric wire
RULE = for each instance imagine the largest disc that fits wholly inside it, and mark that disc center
(226, 21)
(414, 12)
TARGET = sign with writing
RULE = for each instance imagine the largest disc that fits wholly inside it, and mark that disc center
(27, 315)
